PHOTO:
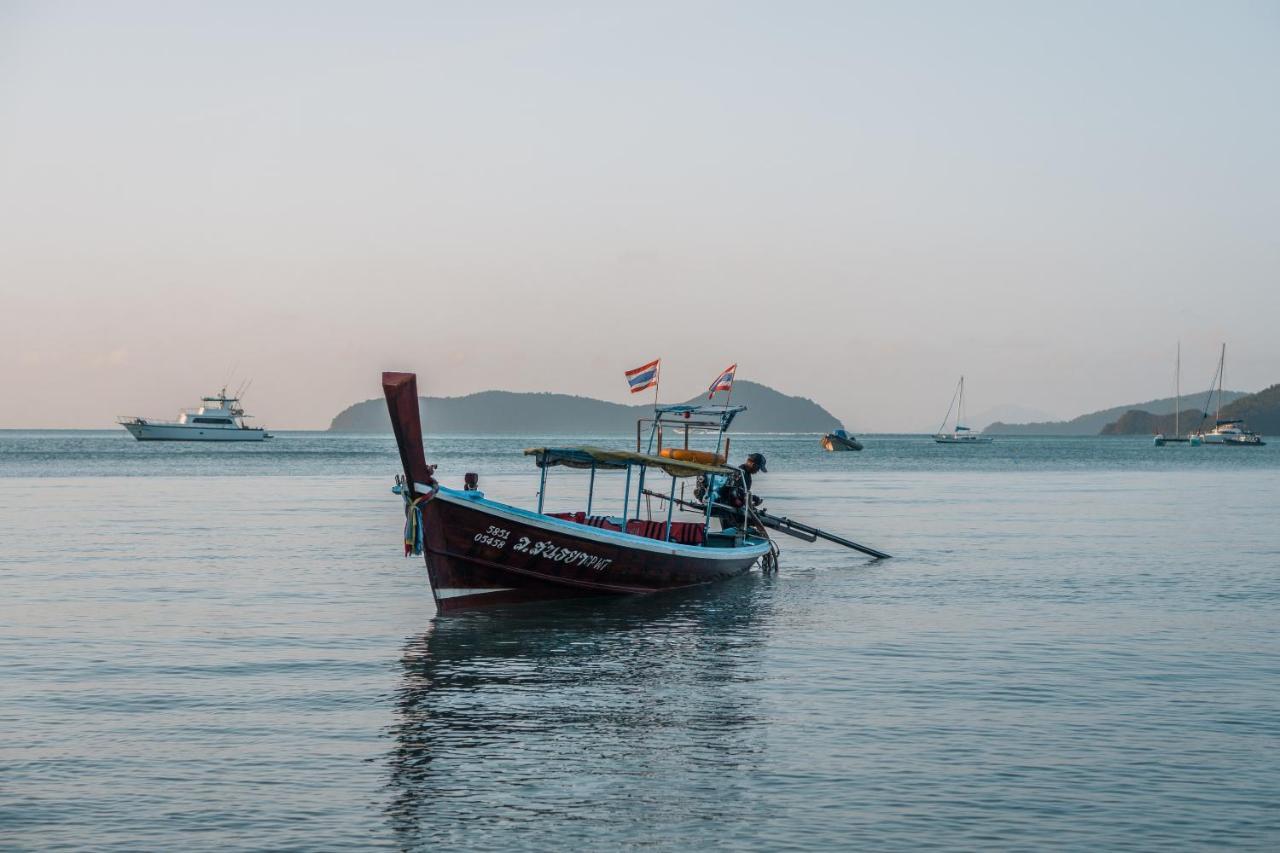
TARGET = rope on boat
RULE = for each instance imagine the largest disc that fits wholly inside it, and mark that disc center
(414, 531)
(768, 562)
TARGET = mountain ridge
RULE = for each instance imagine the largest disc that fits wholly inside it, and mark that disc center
(1260, 412)
(546, 413)
(1093, 423)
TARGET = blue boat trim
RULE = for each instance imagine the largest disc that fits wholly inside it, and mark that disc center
(754, 545)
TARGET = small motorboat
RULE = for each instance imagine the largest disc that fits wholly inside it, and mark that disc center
(219, 418)
(838, 440)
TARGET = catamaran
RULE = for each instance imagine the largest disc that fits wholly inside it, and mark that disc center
(1177, 438)
(481, 552)
(219, 418)
(1230, 432)
(960, 434)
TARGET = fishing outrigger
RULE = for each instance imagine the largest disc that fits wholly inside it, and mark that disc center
(481, 552)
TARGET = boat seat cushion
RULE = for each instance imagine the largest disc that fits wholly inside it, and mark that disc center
(684, 532)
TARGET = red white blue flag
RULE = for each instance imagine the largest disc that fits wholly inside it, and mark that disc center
(724, 382)
(644, 376)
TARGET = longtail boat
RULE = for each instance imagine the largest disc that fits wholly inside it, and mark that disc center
(482, 552)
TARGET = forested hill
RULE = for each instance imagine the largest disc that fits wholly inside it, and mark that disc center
(1137, 422)
(1094, 422)
(1261, 413)
(513, 413)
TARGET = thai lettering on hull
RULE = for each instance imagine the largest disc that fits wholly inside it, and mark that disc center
(559, 554)
(498, 537)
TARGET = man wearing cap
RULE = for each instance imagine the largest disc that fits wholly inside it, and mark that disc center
(734, 494)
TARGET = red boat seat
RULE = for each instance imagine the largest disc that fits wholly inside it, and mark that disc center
(683, 532)
(578, 517)
(601, 521)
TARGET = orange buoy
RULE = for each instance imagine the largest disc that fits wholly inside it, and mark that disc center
(702, 457)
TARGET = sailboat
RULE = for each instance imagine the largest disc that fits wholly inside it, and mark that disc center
(1177, 438)
(960, 434)
(1230, 432)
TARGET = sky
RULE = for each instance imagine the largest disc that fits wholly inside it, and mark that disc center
(855, 202)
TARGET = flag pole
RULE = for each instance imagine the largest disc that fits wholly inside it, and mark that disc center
(657, 379)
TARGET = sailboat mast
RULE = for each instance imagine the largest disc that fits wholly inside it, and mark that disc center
(960, 408)
(1177, 385)
(1222, 368)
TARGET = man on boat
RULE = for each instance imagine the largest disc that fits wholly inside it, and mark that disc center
(733, 493)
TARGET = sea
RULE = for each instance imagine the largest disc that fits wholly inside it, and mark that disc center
(1075, 646)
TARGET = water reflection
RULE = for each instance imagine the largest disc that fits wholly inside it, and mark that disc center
(558, 716)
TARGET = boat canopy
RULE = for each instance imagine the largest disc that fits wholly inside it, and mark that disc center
(686, 408)
(681, 413)
(595, 457)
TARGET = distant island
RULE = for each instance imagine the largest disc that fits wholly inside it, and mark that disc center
(1138, 422)
(517, 413)
(1095, 422)
(1260, 411)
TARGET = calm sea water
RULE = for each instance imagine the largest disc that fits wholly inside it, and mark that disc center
(1075, 646)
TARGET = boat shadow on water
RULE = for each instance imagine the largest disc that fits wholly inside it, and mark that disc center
(573, 708)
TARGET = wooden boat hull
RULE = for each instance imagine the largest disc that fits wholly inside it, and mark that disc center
(479, 553)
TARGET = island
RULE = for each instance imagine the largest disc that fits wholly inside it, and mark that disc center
(1260, 412)
(1095, 422)
(522, 413)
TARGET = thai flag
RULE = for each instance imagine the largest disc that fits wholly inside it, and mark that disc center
(724, 382)
(645, 376)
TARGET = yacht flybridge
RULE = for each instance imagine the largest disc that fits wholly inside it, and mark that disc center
(218, 418)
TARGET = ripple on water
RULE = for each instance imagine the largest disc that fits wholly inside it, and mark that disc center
(1047, 662)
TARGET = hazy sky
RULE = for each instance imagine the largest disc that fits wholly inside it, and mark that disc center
(854, 201)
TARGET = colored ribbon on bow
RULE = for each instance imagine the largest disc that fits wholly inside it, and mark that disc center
(414, 532)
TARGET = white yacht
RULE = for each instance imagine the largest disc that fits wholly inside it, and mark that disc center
(1230, 432)
(219, 418)
(960, 434)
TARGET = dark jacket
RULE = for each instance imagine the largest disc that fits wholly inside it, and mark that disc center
(732, 492)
